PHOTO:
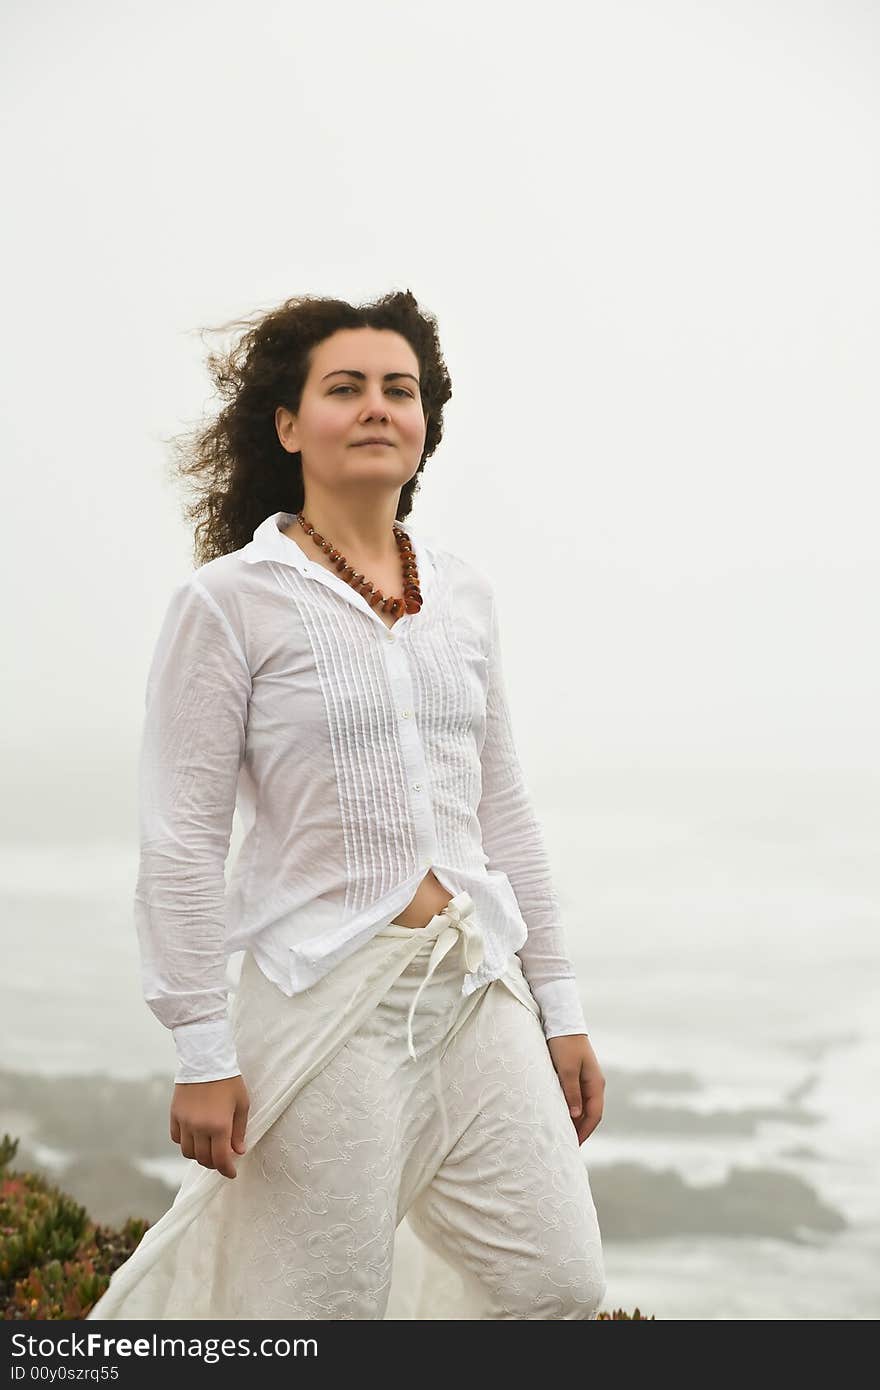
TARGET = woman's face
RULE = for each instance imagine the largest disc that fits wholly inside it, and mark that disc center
(362, 382)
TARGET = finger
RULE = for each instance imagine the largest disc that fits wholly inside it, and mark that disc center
(187, 1143)
(239, 1128)
(591, 1117)
(585, 1128)
(222, 1156)
(572, 1090)
(570, 1082)
(203, 1150)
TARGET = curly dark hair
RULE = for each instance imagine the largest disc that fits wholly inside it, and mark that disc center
(239, 471)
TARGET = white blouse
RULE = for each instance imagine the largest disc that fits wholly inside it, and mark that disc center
(359, 757)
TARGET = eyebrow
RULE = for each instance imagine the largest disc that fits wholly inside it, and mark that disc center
(389, 376)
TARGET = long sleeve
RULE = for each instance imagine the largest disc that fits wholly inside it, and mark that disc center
(514, 842)
(198, 690)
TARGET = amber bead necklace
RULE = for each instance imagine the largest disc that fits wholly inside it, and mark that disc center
(411, 601)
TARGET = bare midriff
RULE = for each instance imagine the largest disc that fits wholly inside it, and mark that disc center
(430, 896)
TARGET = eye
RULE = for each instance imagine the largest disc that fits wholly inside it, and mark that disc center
(401, 389)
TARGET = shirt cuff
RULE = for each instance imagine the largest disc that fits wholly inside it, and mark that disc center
(561, 1008)
(205, 1051)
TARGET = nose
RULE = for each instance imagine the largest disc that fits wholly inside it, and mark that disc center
(375, 405)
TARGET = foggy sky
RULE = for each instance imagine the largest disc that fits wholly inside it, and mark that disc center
(650, 237)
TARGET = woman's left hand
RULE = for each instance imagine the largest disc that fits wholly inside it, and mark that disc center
(581, 1079)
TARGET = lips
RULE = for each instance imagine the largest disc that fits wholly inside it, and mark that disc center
(363, 443)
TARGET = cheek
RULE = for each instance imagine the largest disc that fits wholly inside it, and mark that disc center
(413, 430)
(328, 426)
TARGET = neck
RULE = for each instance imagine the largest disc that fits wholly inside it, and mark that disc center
(367, 533)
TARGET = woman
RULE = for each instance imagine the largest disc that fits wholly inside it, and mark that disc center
(406, 1039)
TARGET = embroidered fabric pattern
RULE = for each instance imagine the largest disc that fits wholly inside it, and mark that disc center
(505, 1201)
(371, 1189)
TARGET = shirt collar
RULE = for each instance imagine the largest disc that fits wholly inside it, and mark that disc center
(270, 543)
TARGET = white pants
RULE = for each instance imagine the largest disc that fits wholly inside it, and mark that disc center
(378, 1184)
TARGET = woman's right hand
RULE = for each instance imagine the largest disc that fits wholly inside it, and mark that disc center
(208, 1121)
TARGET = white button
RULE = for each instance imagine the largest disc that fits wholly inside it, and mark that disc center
(417, 786)
(391, 637)
(406, 713)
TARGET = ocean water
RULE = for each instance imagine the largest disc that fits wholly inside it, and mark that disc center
(724, 931)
